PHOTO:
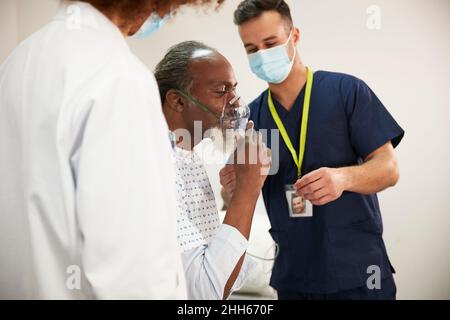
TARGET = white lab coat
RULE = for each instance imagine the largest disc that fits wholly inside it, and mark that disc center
(87, 194)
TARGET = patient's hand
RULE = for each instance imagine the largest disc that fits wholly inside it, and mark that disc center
(228, 179)
(252, 161)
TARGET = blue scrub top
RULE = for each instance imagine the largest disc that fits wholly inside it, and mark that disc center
(332, 250)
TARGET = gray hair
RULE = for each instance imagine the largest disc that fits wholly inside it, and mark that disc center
(172, 72)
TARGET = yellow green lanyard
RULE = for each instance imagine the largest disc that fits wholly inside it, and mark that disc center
(304, 126)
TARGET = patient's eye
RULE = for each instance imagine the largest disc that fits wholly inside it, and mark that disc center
(221, 90)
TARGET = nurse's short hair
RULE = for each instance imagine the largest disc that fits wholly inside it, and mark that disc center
(251, 9)
(172, 72)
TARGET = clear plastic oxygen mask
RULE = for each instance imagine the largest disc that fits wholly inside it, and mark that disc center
(235, 116)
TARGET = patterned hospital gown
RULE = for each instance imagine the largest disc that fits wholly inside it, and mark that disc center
(198, 219)
(200, 229)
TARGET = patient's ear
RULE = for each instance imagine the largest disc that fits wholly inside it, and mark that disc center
(174, 101)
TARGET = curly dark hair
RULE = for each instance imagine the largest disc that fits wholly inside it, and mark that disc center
(135, 9)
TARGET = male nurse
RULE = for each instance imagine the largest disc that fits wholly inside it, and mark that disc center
(336, 151)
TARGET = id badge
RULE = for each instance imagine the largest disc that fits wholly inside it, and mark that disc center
(299, 207)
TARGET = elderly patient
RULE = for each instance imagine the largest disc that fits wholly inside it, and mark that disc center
(196, 82)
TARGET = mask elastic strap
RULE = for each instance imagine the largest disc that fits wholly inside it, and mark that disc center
(295, 54)
(197, 103)
(295, 49)
(290, 35)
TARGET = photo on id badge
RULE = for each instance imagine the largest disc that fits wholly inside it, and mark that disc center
(299, 207)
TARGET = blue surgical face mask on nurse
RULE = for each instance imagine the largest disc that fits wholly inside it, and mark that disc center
(273, 65)
(151, 26)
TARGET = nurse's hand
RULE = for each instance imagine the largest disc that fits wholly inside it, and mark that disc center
(321, 186)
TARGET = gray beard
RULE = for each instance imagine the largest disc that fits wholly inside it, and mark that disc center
(223, 142)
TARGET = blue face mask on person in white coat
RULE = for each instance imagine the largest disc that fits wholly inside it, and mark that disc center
(272, 65)
(151, 26)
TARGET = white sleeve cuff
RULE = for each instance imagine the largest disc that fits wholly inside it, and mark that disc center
(226, 248)
(248, 267)
(231, 235)
(209, 267)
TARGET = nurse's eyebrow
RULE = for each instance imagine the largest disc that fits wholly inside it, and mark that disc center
(270, 38)
(246, 45)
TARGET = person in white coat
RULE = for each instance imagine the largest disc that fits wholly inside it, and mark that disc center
(87, 199)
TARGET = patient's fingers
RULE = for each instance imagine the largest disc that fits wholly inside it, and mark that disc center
(227, 170)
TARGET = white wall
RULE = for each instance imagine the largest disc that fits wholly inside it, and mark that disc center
(8, 27)
(33, 14)
(20, 18)
(406, 63)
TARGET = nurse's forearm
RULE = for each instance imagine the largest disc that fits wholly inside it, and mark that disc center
(379, 171)
(324, 185)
